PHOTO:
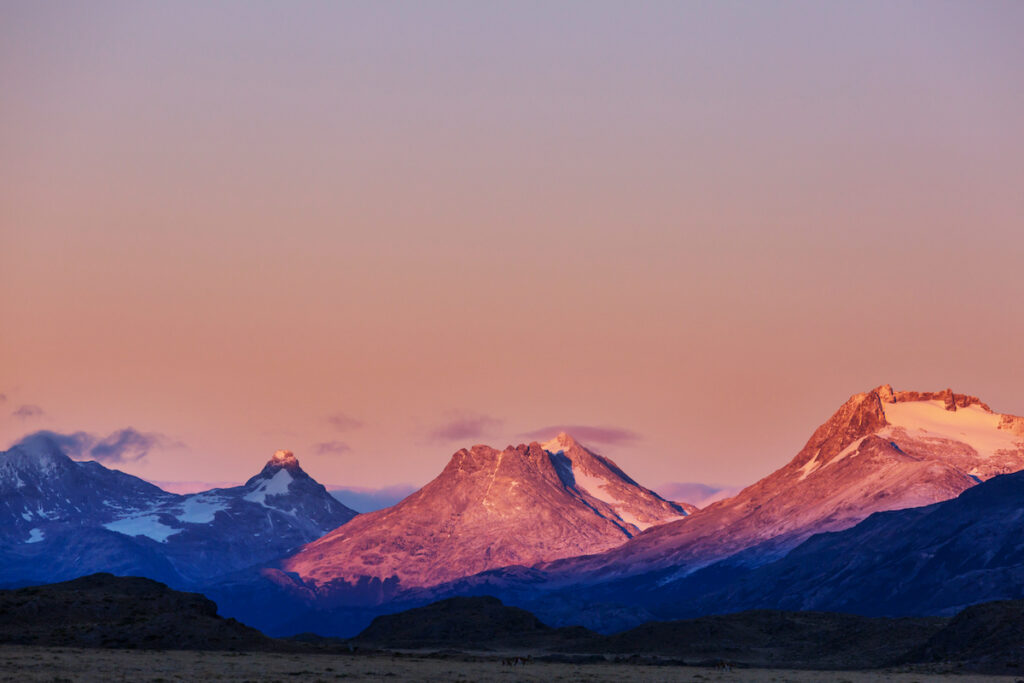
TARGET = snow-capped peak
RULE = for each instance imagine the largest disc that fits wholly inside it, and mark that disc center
(281, 460)
(562, 442)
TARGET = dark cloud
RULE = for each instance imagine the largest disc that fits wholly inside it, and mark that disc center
(124, 445)
(331, 448)
(74, 445)
(3, 398)
(25, 412)
(127, 445)
(464, 427)
(609, 436)
(343, 422)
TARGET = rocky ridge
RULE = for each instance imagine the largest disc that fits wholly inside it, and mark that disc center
(881, 450)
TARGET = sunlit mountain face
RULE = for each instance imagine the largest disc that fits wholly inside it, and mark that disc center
(554, 525)
(489, 508)
(881, 450)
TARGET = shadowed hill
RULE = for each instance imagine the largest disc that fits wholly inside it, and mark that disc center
(102, 610)
(466, 622)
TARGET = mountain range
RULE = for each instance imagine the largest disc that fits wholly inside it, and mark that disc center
(901, 503)
(64, 518)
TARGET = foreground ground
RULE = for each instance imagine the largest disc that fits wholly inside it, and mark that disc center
(54, 665)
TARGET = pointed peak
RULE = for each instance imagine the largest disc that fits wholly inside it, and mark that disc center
(282, 460)
(562, 442)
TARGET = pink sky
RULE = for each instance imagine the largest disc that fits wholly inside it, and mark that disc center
(696, 227)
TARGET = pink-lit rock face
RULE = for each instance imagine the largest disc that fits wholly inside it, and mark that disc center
(882, 450)
(285, 459)
(488, 508)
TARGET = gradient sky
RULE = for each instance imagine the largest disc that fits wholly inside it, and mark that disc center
(374, 233)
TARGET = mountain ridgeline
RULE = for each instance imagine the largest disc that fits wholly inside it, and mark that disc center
(64, 519)
(901, 503)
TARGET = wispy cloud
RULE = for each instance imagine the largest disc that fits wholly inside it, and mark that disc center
(331, 448)
(127, 445)
(463, 427)
(124, 445)
(343, 422)
(608, 436)
(27, 412)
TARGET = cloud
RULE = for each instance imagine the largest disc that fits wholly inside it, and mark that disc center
(74, 445)
(464, 427)
(124, 445)
(128, 445)
(331, 448)
(27, 411)
(608, 436)
(3, 398)
(343, 422)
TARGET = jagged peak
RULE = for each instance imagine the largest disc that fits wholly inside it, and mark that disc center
(284, 459)
(562, 442)
(281, 460)
(951, 399)
(865, 413)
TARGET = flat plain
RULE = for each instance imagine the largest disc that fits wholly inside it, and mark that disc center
(58, 665)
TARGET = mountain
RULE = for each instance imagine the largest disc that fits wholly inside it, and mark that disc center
(882, 450)
(42, 490)
(469, 622)
(935, 559)
(488, 508)
(63, 518)
(222, 530)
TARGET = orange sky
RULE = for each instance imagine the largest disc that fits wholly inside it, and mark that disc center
(699, 228)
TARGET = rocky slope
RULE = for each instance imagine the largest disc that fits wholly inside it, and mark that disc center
(882, 450)
(60, 518)
(488, 508)
(930, 560)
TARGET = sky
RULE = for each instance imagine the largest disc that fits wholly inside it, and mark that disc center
(375, 233)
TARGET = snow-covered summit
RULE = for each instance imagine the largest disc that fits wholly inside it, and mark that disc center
(562, 442)
(881, 450)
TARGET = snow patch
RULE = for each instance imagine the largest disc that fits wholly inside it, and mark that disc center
(845, 453)
(35, 535)
(27, 516)
(971, 425)
(200, 509)
(143, 525)
(275, 486)
(598, 488)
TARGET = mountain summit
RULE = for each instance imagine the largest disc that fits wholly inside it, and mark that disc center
(489, 508)
(61, 518)
(881, 450)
